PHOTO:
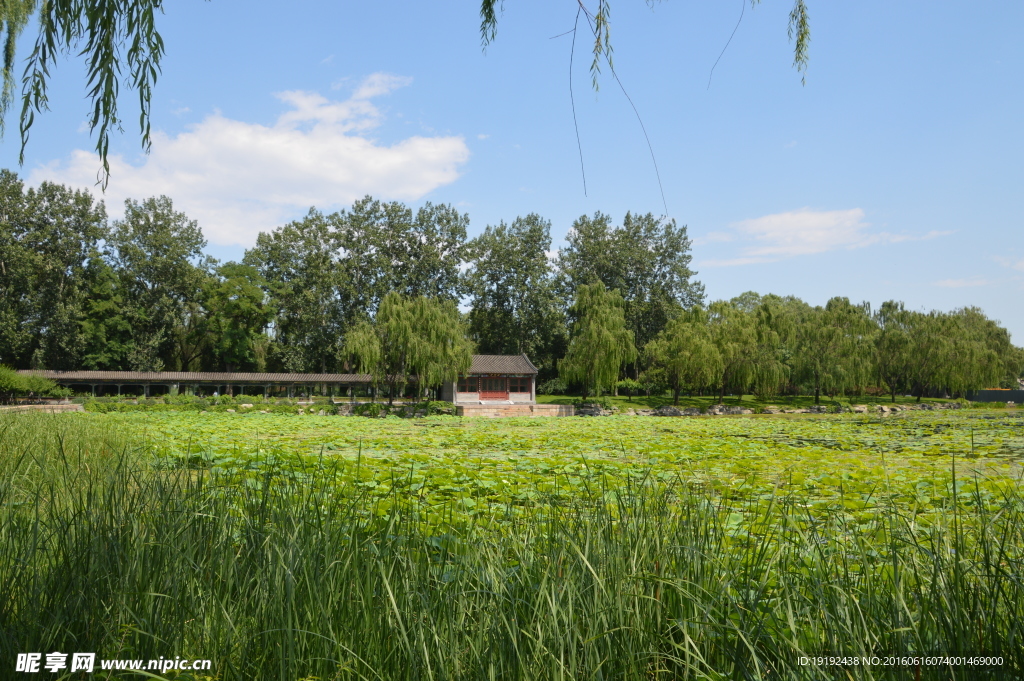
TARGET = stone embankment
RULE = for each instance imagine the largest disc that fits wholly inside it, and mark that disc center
(593, 409)
(53, 408)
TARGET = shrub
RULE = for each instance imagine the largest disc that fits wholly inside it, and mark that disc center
(604, 402)
(555, 386)
(371, 410)
(12, 383)
(630, 387)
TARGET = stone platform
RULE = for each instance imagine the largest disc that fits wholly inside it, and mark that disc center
(54, 408)
(499, 410)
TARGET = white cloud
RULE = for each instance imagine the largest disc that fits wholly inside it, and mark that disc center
(731, 262)
(482, 136)
(802, 232)
(379, 84)
(238, 179)
(1012, 262)
(713, 237)
(961, 283)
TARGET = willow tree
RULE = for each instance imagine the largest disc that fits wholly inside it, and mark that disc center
(893, 346)
(685, 353)
(749, 348)
(421, 338)
(978, 352)
(834, 347)
(599, 342)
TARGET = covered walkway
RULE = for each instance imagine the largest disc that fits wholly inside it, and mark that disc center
(206, 383)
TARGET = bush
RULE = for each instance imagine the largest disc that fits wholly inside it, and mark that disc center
(555, 386)
(12, 383)
(630, 387)
(439, 408)
(371, 410)
(604, 401)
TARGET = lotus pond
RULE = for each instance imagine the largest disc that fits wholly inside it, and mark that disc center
(849, 463)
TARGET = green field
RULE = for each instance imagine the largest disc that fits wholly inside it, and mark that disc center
(300, 547)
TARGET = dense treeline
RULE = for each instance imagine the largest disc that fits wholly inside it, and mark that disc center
(619, 306)
(769, 344)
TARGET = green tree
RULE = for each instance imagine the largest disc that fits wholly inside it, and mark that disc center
(514, 306)
(893, 346)
(384, 247)
(47, 237)
(833, 348)
(978, 352)
(646, 259)
(324, 273)
(17, 274)
(937, 353)
(158, 254)
(749, 348)
(600, 342)
(420, 337)
(239, 315)
(929, 351)
(309, 291)
(686, 354)
(105, 327)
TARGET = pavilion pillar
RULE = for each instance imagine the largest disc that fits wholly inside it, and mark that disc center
(93, 390)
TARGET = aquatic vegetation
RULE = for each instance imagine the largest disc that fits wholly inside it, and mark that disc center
(299, 547)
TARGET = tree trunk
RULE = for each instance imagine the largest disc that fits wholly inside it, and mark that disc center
(894, 395)
(675, 395)
(817, 394)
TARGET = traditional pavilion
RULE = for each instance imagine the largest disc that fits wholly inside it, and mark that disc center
(509, 379)
(499, 385)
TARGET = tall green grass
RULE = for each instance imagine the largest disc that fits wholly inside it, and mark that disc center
(296, 576)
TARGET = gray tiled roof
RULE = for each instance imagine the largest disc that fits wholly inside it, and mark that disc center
(502, 364)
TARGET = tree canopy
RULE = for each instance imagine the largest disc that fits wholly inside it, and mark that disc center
(510, 282)
(685, 353)
(646, 259)
(77, 292)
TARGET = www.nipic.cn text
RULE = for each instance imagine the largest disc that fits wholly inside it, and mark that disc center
(34, 663)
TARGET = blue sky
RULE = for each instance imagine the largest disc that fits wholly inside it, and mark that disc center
(894, 173)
